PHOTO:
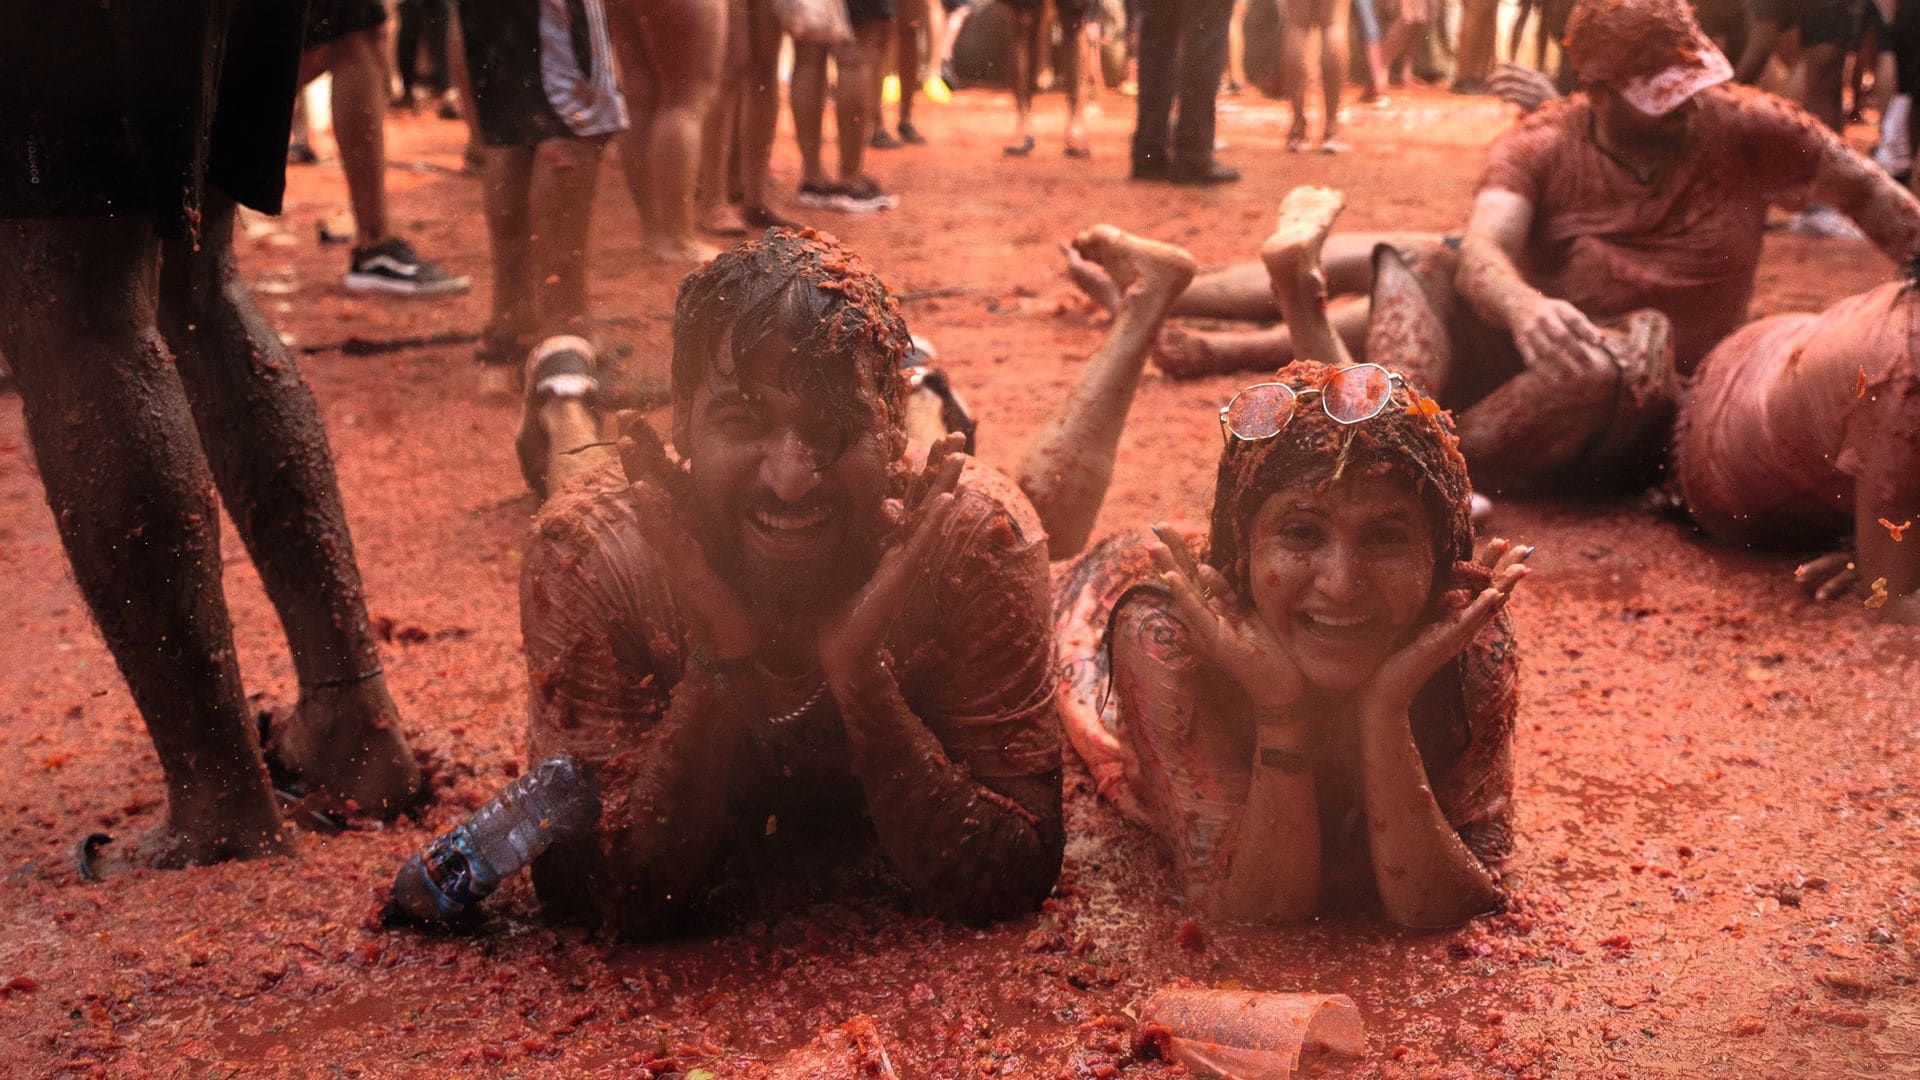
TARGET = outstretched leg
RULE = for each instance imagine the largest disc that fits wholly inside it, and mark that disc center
(1070, 462)
(1292, 257)
(130, 495)
(676, 47)
(1185, 352)
(1244, 290)
(269, 456)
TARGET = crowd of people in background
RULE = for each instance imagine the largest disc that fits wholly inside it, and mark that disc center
(1334, 641)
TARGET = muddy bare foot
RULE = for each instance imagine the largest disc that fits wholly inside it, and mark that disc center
(1090, 278)
(1184, 354)
(1292, 253)
(1292, 258)
(347, 740)
(1144, 271)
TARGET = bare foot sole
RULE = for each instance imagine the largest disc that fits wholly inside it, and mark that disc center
(1292, 253)
(1181, 353)
(346, 739)
(1090, 278)
(1150, 275)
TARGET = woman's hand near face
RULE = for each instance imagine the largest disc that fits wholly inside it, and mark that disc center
(1400, 678)
(1233, 639)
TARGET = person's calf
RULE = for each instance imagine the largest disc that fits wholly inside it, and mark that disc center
(1292, 258)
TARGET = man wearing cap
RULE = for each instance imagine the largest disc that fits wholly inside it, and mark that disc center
(1642, 202)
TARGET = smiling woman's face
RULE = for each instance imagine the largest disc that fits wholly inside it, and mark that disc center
(1341, 574)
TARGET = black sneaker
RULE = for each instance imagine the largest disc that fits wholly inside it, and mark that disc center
(1151, 169)
(911, 135)
(863, 196)
(394, 267)
(817, 196)
(1204, 174)
(882, 139)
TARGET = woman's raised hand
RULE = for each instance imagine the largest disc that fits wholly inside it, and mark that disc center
(1403, 674)
(1233, 639)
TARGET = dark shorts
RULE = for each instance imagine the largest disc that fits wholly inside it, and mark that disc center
(955, 5)
(1065, 9)
(542, 69)
(1821, 22)
(869, 11)
(135, 108)
(330, 20)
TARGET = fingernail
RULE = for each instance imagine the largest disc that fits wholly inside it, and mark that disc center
(1526, 553)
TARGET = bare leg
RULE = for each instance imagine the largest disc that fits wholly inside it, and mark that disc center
(761, 115)
(358, 64)
(130, 494)
(506, 179)
(716, 214)
(1404, 331)
(1069, 464)
(1292, 257)
(907, 58)
(1243, 290)
(1184, 352)
(263, 438)
(855, 109)
(1473, 56)
(1333, 71)
(560, 194)
(1293, 68)
(1531, 426)
(808, 100)
(1070, 29)
(678, 45)
(1023, 50)
(559, 428)
(1237, 45)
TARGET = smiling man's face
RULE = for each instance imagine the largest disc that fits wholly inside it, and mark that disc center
(788, 495)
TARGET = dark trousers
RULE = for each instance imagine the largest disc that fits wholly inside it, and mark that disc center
(422, 23)
(1183, 50)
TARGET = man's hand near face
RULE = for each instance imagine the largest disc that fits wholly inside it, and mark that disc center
(979, 847)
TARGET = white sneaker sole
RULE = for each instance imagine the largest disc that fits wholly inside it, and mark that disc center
(383, 284)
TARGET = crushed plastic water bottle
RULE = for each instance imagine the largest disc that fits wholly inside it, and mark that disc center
(553, 801)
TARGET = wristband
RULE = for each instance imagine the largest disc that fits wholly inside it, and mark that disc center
(1288, 761)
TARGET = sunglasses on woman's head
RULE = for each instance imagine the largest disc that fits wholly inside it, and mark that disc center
(1351, 395)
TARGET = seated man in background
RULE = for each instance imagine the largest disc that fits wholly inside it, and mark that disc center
(791, 619)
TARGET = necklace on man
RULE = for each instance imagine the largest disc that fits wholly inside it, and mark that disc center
(800, 710)
(1644, 179)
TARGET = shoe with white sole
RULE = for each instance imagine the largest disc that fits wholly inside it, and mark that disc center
(392, 266)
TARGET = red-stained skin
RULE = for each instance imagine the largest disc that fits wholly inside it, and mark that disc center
(1716, 815)
(1321, 557)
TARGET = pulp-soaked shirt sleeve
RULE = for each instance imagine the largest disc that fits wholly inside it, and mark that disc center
(978, 662)
(600, 628)
(1783, 148)
(1520, 159)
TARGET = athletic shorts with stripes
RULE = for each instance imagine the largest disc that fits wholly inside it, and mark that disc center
(542, 69)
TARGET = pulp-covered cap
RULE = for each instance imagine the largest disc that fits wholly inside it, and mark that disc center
(1651, 52)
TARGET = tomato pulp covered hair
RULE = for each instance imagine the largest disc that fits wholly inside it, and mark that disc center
(810, 290)
(1409, 441)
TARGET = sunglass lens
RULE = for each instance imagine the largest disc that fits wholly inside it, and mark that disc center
(1358, 393)
(1259, 412)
